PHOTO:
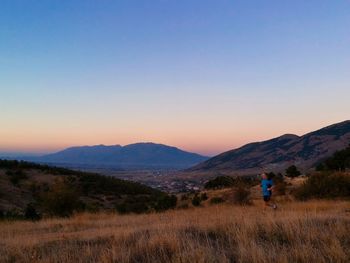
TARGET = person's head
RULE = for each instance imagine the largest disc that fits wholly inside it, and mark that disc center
(264, 176)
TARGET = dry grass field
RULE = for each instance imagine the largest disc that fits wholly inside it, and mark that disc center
(314, 231)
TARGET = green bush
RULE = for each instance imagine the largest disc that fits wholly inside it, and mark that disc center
(324, 185)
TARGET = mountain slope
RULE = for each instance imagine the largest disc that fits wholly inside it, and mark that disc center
(139, 155)
(23, 183)
(278, 153)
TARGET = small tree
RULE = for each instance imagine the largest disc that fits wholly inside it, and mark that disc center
(292, 171)
(196, 200)
(31, 213)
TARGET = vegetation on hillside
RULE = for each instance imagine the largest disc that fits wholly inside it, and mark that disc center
(325, 185)
(340, 161)
(229, 181)
(61, 192)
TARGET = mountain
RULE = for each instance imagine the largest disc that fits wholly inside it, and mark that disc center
(278, 153)
(133, 156)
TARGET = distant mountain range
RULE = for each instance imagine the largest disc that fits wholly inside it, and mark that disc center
(278, 153)
(133, 156)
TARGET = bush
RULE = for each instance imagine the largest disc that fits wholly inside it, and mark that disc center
(196, 201)
(166, 202)
(132, 207)
(324, 185)
(216, 200)
(31, 213)
(241, 196)
(204, 196)
(292, 171)
(61, 200)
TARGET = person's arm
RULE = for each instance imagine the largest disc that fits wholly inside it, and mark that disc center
(271, 187)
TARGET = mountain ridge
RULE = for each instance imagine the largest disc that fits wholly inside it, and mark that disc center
(136, 155)
(277, 153)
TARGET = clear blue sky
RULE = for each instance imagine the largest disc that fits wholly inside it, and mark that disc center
(202, 75)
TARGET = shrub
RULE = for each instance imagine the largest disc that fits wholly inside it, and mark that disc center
(324, 185)
(216, 200)
(241, 196)
(166, 202)
(204, 196)
(31, 213)
(132, 207)
(61, 200)
(196, 201)
(292, 171)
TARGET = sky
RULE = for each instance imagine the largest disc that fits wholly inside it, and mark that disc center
(203, 75)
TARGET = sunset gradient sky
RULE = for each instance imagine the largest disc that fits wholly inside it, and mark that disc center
(205, 75)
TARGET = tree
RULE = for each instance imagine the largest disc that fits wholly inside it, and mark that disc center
(292, 171)
(340, 161)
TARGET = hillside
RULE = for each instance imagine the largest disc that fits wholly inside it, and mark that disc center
(278, 153)
(59, 191)
(133, 156)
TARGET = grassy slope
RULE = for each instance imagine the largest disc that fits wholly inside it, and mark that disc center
(315, 231)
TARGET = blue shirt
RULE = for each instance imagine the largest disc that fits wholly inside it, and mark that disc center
(265, 184)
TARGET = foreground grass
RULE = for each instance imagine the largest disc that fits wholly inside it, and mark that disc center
(315, 231)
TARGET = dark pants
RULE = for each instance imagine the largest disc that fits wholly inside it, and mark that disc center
(267, 198)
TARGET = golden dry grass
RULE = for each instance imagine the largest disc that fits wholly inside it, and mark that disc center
(316, 231)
